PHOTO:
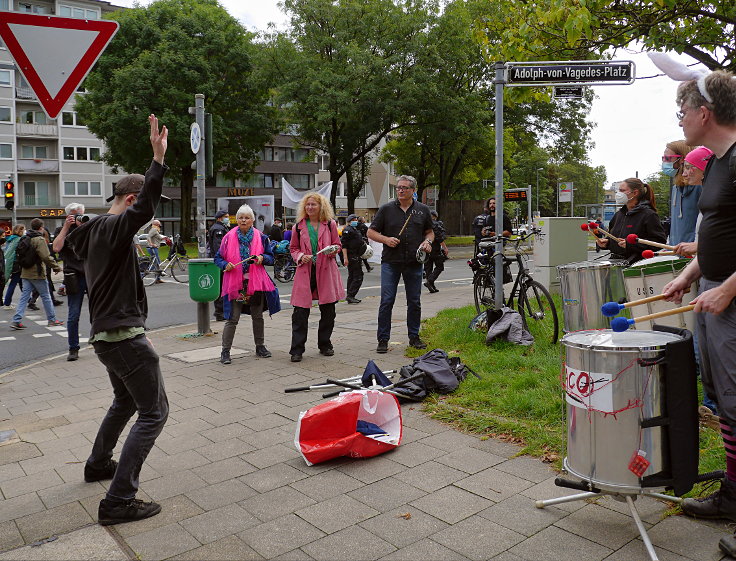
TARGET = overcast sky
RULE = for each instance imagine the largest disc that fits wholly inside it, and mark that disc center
(633, 122)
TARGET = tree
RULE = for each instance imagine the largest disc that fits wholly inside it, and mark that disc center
(343, 72)
(161, 56)
(660, 183)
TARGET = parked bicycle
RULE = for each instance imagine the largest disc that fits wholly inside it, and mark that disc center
(283, 267)
(176, 265)
(528, 297)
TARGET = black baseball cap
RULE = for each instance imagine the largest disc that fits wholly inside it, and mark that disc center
(132, 183)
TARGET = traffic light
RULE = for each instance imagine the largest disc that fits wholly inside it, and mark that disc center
(9, 191)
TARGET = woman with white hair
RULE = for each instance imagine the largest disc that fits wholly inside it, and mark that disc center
(246, 286)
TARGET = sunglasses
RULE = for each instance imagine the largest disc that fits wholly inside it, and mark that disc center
(672, 158)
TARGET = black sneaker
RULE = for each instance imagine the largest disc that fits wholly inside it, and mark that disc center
(417, 343)
(111, 512)
(382, 347)
(352, 300)
(99, 474)
(225, 357)
(262, 351)
(73, 355)
(296, 358)
(721, 504)
(33, 307)
(329, 351)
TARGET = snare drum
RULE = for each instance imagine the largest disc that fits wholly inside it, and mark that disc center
(614, 384)
(585, 287)
(648, 278)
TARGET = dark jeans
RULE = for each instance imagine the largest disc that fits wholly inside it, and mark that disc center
(257, 304)
(434, 266)
(355, 276)
(15, 280)
(300, 328)
(138, 385)
(74, 301)
(391, 273)
(155, 257)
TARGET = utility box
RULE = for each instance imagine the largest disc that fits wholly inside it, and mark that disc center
(563, 242)
(204, 280)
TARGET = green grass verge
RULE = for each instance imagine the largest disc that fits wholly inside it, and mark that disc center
(459, 240)
(519, 398)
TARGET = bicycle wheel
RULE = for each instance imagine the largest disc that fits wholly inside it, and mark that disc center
(535, 303)
(180, 269)
(150, 274)
(287, 273)
(484, 291)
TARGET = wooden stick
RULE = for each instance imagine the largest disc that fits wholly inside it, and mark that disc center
(655, 244)
(602, 231)
(404, 226)
(672, 312)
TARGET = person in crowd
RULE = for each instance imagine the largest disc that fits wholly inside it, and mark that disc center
(637, 215)
(693, 168)
(708, 117)
(34, 277)
(214, 238)
(155, 239)
(402, 226)
(672, 160)
(246, 286)
(484, 225)
(363, 229)
(683, 194)
(52, 290)
(74, 279)
(353, 248)
(435, 263)
(287, 231)
(277, 231)
(12, 268)
(118, 310)
(314, 246)
(2, 262)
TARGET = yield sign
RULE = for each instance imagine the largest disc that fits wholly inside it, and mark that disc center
(54, 54)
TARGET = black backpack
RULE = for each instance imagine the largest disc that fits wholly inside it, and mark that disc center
(25, 255)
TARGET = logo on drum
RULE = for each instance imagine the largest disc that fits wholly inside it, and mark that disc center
(589, 390)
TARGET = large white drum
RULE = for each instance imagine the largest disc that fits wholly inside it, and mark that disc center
(614, 385)
(586, 286)
(647, 278)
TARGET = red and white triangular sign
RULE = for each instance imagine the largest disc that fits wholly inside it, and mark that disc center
(54, 54)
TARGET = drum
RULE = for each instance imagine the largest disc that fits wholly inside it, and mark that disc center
(585, 287)
(648, 278)
(614, 387)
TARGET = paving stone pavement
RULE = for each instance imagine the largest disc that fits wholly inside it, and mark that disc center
(233, 486)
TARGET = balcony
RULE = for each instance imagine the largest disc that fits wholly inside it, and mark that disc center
(38, 165)
(24, 92)
(30, 129)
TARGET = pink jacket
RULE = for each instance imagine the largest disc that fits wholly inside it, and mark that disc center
(329, 283)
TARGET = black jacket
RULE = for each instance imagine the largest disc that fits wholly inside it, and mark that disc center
(276, 233)
(214, 238)
(641, 220)
(352, 241)
(105, 245)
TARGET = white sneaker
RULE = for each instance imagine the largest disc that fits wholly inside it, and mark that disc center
(9, 307)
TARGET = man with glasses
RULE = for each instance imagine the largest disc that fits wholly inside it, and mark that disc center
(708, 117)
(402, 226)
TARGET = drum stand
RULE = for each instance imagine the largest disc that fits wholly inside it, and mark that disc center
(629, 498)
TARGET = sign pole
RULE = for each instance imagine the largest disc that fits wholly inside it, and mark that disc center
(203, 308)
(500, 80)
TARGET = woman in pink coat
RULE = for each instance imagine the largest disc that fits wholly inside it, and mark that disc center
(317, 277)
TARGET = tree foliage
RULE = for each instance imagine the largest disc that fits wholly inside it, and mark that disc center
(161, 56)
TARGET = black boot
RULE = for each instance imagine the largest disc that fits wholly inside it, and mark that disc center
(721, 504)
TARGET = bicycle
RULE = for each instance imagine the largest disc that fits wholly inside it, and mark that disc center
(530, 298)
(283, 267)
(177, 265)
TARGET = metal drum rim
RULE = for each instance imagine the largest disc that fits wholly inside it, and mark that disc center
(671, 338)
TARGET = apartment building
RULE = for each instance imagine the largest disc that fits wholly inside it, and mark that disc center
(51, 161)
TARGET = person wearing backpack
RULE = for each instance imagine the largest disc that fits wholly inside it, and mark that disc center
(33, 255)
(214, 238)
(12, 268)
(353, 248)
(435, 263)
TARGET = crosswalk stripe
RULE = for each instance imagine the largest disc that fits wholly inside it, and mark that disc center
(39, 335)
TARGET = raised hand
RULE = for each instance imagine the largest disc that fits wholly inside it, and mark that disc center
(159, 139)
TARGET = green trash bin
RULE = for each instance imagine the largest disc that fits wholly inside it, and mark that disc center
(204, 280)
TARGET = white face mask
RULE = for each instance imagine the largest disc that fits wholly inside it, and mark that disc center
(621, 198)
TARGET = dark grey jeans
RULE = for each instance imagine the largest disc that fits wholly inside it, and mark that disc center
(138, 385)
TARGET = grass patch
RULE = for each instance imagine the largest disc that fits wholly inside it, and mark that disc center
(519, 398)
(459, 240)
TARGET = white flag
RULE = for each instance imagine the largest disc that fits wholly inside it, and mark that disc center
(290, 197)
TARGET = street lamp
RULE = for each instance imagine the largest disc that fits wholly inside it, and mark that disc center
(538, 170)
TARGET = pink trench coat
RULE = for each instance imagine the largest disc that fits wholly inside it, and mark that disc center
(329, 283)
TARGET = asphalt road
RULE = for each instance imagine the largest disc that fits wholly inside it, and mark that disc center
(169, 304)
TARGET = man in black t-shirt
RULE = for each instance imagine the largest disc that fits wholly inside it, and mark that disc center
(708, 117)
(75, 282)
(402, 226)
(484, 225)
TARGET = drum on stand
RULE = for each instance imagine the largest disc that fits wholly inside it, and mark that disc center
(585, 287)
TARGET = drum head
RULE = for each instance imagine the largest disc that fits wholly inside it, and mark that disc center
(605, 339)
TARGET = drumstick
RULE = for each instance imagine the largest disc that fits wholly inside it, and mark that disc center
(633, 238)
(622, 324)
(648, 254)
(610, 309)
(404, 226)
(595, 228)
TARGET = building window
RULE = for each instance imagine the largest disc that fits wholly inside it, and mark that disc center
(81, 153)
(36, 193)
(222, 181)
(5, 79)
(33, 118)
(324, 162)
(6, 114)
(4, 5)
(75, 12)
(6, 151)
(297, 181)
(32, 8)
(267, 154)
(33, 152)
(71, 119)
(259, 181)
(83, 188)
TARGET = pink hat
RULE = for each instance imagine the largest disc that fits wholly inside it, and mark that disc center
(699, 157)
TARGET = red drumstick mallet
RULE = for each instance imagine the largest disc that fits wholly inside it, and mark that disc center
(647, 254)
(633, 239)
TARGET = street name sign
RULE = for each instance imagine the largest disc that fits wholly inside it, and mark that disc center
(54, 54)
(570, 73)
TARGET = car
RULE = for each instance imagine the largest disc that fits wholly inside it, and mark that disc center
(522, 230)
(143, 240)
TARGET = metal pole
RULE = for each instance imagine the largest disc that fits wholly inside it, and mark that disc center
(203, 308)
(538, 170)
(557, 211)
(528, 205)
(500, 80)
(572, 200)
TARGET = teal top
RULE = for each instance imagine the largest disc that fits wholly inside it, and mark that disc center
(312, 237)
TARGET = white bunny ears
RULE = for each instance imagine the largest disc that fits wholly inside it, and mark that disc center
(680, 72)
